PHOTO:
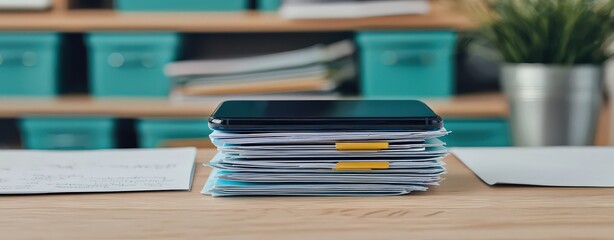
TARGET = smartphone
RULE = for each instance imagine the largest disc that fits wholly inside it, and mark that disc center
(324, 115)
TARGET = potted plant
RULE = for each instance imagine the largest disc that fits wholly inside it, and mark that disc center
(553, 53)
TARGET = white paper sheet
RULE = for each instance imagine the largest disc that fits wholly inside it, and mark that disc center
(330, 165)
(329, 160)
(326, 166)
(547, 166)
(221, 139)
(295, 178)
(220, 187)
(32, 172)
(330, 146)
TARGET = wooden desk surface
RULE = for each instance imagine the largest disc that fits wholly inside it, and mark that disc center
(462, 208)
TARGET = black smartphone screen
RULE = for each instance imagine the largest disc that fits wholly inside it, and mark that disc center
(324, 115)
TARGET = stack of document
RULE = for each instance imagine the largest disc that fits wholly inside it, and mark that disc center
(313, 70)
(310, 9)
(348, 163)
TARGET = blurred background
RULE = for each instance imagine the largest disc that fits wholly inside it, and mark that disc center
(95, 74)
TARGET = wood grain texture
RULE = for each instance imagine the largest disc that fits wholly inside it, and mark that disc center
(59, 6)
(486, 105)
(604, 129)
(461, 208)
(471, 105)
(481, 105)
(441, 17)
(119, 107)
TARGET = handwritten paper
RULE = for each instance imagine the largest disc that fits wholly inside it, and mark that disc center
(33, 172)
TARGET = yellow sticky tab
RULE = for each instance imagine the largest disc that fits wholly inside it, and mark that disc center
(361, 165)
(361, 145)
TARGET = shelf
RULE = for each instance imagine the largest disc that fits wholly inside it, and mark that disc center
(464, 106)
(472, 105)
(441, 17)
(482, 105)
(83, 105)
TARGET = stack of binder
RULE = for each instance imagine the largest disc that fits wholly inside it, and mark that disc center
(325, 163)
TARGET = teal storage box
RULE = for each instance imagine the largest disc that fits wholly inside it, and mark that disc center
(154, 132)
(477, 133)
(130, 64)
(181, 5)
(269, 5)
(29, 64)
(67, 133)
(407, 63)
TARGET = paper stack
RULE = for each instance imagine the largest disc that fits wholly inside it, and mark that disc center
(346, 163)
(316, 69)
(308, 9)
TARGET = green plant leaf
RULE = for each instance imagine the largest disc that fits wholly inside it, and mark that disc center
(563, 32)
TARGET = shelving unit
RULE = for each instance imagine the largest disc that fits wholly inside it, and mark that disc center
(66, 16)
(488, 105)
(481, 105)
(64, 19)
